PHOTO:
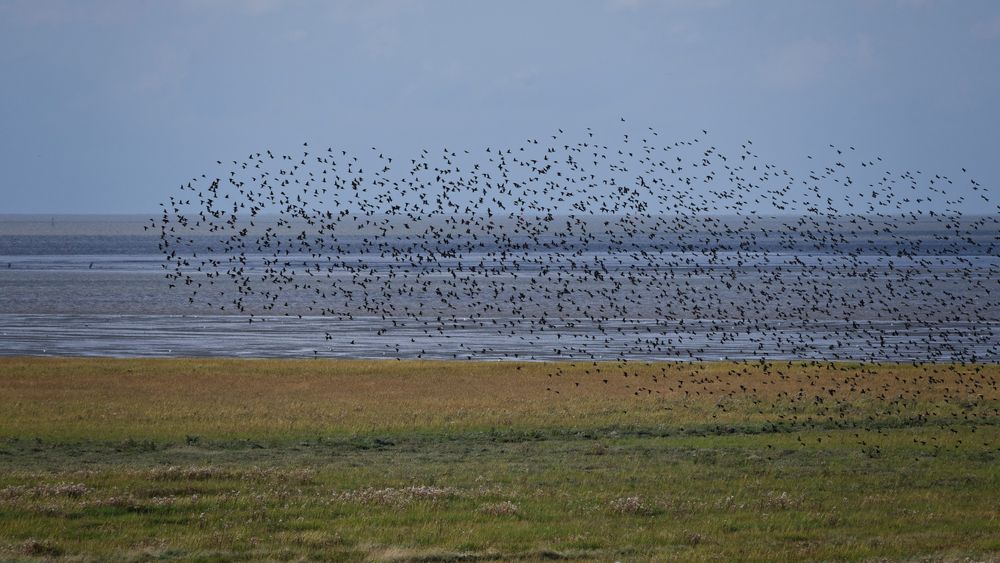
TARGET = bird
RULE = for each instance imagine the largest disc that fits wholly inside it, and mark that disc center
(618, 250)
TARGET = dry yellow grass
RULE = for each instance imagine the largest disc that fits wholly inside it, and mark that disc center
(167, 399)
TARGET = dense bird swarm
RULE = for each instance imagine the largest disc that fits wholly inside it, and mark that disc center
(605, 253)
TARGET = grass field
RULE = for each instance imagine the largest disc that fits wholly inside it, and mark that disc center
(439, 461)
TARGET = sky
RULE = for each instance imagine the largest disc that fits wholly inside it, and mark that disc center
(107, 106)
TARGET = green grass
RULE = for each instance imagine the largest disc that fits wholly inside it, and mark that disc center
(220, 460)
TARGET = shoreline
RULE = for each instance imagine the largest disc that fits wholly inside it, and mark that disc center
(803, 362)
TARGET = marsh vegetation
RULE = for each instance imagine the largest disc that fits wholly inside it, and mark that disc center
(436, 461)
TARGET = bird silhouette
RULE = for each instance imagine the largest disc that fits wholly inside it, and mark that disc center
(615, 252)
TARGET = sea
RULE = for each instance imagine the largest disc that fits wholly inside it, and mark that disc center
(94, 285)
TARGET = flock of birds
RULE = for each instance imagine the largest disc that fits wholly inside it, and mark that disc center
(590, 250)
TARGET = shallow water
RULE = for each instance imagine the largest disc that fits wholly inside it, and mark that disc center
(84, 293)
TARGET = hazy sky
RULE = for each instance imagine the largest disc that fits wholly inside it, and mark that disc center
(107, 106)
